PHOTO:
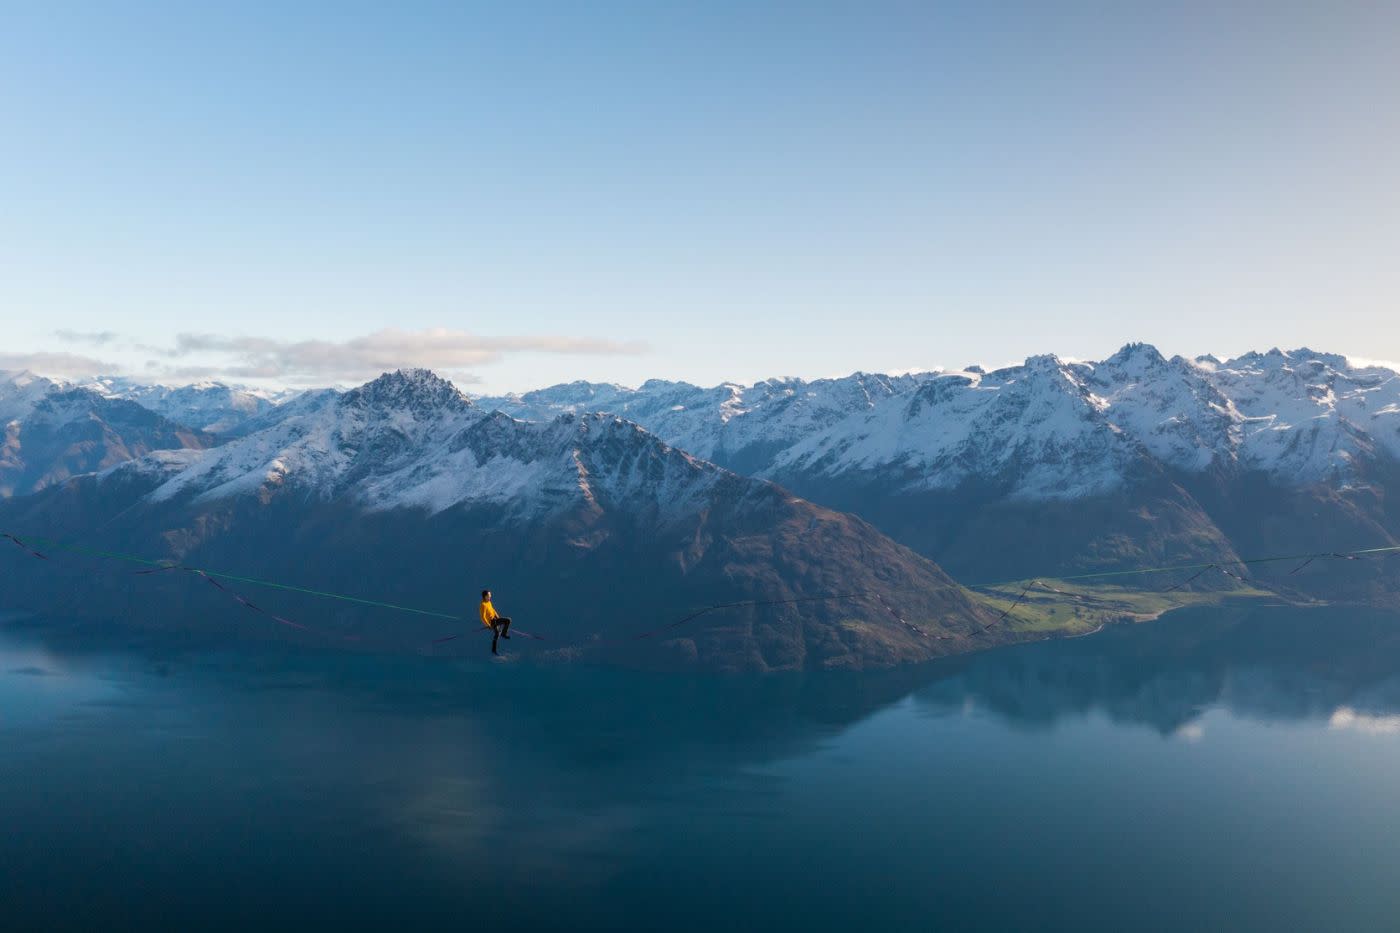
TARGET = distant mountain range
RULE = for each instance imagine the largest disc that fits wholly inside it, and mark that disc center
(1047, 429)
(606, 510)
(1056, 466)
(208, 406)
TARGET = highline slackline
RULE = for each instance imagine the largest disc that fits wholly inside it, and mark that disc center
(41, 548)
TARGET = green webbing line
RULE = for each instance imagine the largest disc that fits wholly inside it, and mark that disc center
(131, 558)
(1099, 575)
(339, 596)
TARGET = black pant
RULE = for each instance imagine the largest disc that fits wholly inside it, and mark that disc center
(501, 626)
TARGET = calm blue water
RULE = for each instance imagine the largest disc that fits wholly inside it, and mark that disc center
(1221, 770)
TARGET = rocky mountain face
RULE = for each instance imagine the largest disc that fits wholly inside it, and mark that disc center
(70, 432)
(588, 526)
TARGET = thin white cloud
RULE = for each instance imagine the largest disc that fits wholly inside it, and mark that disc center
(1362, 362)
(916, 371)
(322, 361)
(58, 365)
(97, 338)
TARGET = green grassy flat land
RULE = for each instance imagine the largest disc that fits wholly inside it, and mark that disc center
(1042, 610)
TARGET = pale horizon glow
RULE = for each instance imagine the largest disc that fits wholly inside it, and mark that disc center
(723, 193)
(78, 370)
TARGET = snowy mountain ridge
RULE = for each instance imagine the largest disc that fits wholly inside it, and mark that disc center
(325, 449)
(410, 439)
(740, 427)
(1044, 430)
(209, 406)
(1047, 429)
(1041, 422)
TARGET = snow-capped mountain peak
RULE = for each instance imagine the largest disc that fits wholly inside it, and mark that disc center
(20, 392)
(333, 442)
(410, 440)
(531, 469)
(1138, 358)
(419, 393)
(1036, 429)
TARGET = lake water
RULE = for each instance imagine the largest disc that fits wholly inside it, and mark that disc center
(1215, 770)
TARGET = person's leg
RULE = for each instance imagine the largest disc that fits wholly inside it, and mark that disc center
(495, 636)
(505, 628)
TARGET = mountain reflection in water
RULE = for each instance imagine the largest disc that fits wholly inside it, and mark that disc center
(1269, 664)
(1217, 768)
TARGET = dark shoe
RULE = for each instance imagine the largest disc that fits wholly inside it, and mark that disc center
(506, 636)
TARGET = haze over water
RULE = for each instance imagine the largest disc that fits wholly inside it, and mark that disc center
(1223, 769)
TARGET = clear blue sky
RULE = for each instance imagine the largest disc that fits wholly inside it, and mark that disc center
(706, 191)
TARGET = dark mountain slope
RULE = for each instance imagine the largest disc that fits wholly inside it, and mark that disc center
(587, 528)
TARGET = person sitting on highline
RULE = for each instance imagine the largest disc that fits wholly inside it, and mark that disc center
(497, 623)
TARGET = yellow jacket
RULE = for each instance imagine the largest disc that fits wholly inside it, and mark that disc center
(488, 613)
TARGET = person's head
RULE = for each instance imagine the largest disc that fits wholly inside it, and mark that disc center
(485, 595)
